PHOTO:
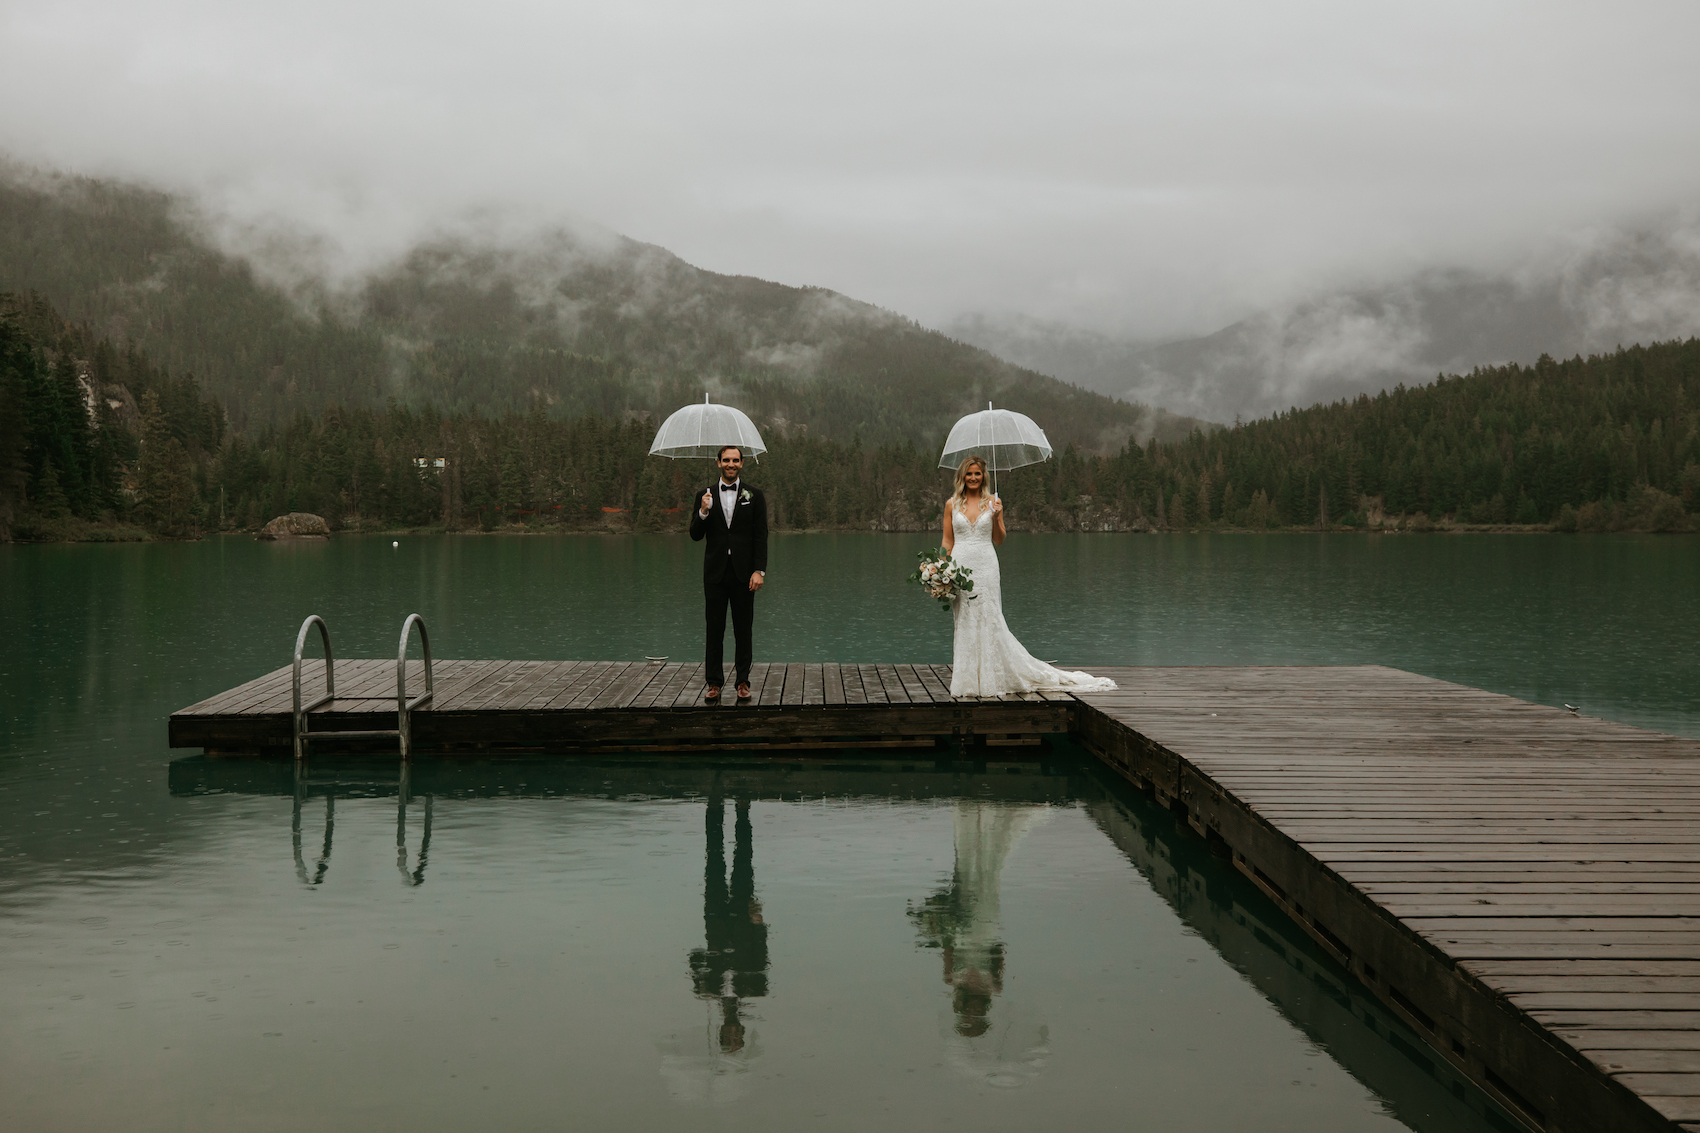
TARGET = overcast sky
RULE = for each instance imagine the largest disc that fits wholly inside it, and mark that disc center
(1148, 169)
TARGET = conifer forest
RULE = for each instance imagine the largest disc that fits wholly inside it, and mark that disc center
(99, 442)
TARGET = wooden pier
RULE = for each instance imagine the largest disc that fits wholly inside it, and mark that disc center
(1518, 884)
(609, 707)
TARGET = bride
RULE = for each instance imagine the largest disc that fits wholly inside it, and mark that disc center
(988, 659)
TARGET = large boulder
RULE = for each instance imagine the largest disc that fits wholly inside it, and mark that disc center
(296, 525)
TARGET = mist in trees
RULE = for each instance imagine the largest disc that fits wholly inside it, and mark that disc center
(98, 442)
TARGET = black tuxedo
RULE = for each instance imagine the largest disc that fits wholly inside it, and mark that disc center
(736, 548)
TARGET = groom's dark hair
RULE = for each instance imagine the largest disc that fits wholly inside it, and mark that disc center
(723, 449)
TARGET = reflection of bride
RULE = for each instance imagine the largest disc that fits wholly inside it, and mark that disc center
(962, 921)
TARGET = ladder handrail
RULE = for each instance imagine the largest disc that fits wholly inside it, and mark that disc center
(403, 706)
(330, 679)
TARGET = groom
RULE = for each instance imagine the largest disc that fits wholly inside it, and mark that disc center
(732, 516)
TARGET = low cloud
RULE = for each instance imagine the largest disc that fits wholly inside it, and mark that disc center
(1588, 293)
(1149, 173)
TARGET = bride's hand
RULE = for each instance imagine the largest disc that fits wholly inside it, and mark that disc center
(997, 505)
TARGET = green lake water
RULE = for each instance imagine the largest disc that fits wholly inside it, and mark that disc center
(194, 944)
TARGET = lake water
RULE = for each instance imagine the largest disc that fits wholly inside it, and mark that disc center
(199, 944)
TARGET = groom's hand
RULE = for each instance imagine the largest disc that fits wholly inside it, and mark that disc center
(756, 579)
(707, 501)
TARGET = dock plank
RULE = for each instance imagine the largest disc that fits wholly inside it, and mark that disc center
(275, 691)
(242, 693)
(664, 688)
(795, 680)
(690, 694)
(767, 682)
(938, 692)
(619, 692)
(470, 678)
(526, 685)
(492, 692)
(854, 692)
(586, 691)
(570, 683)
(913, 687)
(550, 683)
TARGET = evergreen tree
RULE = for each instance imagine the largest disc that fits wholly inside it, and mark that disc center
(165, 481)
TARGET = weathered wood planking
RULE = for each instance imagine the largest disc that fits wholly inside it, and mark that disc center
(1520, 884)
(591, 705)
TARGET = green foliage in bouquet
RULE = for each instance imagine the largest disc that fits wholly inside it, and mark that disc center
(944, 578)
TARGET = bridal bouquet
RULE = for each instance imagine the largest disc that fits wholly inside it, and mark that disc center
(942, 577)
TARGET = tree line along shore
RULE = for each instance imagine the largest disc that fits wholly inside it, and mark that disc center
(97, 442)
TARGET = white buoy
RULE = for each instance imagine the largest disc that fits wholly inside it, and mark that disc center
(395, 542)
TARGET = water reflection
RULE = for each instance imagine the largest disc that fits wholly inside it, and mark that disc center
(732, 964)
(1318, 996)
(303, 789)
(962, 921)
(1005, 1014)
(324, 863)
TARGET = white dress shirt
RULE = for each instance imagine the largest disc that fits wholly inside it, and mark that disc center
(729, 501)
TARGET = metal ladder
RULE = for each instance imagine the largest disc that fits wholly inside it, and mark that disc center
(403, 731)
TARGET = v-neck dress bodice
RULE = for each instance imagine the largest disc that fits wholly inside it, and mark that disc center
(988, 660)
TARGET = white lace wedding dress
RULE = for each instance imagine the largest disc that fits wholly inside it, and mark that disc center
(988, 659)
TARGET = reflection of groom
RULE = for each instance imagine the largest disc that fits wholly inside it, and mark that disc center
(732, 516)
(732, 964)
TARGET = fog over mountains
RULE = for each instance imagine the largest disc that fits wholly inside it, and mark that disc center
(1608, 288)
(484, 319)
(487, 315)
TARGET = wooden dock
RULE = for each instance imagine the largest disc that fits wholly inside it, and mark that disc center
(608, 707)
(1518, 884)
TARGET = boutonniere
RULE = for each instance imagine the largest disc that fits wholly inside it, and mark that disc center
(744, 496)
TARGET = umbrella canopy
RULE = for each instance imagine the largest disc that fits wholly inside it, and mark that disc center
(1006, 439)
(703, 430)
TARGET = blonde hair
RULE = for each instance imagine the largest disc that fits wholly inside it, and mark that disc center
(957, 494)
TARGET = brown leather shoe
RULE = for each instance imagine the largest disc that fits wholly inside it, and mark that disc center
(743, 690)
(712, 693)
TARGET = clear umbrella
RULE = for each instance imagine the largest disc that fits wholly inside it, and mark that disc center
(703, 430)
(1005, 439)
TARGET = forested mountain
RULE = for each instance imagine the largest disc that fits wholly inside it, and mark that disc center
(94, 437)
(574, 324)
(150, 381)
(95, 440)
(1608, 442)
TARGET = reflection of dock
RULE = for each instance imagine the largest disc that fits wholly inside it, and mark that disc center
(623, 706)
(1284, 964)
(1518, 885)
